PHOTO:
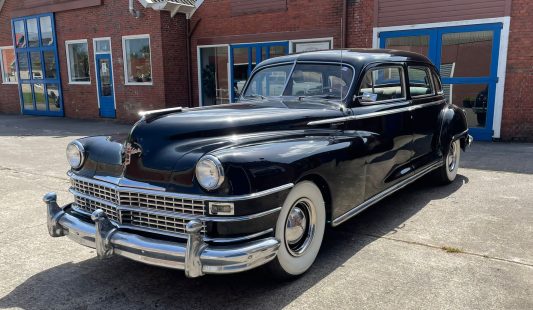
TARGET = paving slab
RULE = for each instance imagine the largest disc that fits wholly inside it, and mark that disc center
(389, 257)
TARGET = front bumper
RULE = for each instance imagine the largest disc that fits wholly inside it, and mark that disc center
(195, 257)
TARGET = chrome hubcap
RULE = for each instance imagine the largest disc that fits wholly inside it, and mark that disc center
(452, 157)
(300, 227)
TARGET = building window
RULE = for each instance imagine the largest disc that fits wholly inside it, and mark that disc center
(8, 65)
(137, 60)
(78, 62)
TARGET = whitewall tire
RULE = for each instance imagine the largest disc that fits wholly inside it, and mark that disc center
(300, 229)
(448, 172)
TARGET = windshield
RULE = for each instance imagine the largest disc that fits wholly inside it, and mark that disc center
(330, 81)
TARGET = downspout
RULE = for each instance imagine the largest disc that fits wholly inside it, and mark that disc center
(133, 11)
(344, 24)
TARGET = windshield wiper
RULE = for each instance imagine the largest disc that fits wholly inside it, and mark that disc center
(255, 96)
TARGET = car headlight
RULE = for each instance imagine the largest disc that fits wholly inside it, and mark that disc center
(75, 154)
(209, 172)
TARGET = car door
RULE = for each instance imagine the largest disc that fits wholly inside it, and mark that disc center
(427, 104)
(383, 114)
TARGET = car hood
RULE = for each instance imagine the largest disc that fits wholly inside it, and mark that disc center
(166, 148)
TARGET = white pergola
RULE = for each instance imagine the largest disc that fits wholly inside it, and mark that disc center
(173, 6)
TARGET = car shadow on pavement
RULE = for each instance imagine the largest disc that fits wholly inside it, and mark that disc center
(120, 283)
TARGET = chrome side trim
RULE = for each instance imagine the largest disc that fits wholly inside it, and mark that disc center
(186, 196)
(360, 208)
(373, 114)
(153, 112)
(239, 239)
(173, 214)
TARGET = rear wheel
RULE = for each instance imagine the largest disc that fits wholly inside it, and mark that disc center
(300, 229)
(448, 172)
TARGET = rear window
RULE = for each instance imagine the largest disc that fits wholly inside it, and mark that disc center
(420, 81)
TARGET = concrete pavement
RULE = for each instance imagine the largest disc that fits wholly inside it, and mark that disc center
(389, 257)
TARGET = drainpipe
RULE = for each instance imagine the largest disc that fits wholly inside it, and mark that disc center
(133, 11)
(343, 24)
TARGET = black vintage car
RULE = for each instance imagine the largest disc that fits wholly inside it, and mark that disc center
(315, 139)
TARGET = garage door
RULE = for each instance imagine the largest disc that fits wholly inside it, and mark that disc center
(467, 57)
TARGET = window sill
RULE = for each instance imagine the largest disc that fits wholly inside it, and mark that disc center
(79, 83)
(140, 84)
(10, 83)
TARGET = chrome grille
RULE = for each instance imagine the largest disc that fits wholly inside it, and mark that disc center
(136, 209)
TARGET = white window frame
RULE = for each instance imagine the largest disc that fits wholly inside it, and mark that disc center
(292, 42)
(199, 66)
(2, 69)
(67, 43)
(124, 58)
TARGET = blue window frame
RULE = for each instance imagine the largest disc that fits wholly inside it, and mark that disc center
(35, 43)
(253, 53)
(478, 91)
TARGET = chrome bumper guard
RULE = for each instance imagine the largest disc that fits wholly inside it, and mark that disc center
(195, 257)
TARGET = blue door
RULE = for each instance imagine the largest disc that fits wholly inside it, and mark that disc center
(34, 40)
(104, 79)
(244, 58)
(467, 57)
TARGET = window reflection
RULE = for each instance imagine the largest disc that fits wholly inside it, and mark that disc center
(36, 65)
(138, 66)
(33, 33)
(46, 31)
(40, 102)
(27, 97)
(417, 44)
(78, 56)
(53, 97)
(473, 98)
(466, 54)
(214, 75)
(24, 68)
(9, 73)
(50, 64)
(20, 36)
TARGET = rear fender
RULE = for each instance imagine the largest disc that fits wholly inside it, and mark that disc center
(454, 126)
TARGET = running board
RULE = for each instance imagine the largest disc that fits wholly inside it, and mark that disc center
(360, 208)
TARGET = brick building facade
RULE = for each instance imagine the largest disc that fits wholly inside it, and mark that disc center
(202, 57)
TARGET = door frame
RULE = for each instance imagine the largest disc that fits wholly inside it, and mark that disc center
(96, 72)
(258, 57)
(499, 89)
(27, 50)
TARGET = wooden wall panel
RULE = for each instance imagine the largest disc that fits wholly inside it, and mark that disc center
(242, 7)
(408, 12)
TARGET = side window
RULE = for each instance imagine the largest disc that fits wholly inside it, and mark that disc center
(420, 81)
(385, 83)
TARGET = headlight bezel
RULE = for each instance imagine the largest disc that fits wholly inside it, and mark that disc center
(81, 150)
(217, 165)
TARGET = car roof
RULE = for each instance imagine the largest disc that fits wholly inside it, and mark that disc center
(355, 57)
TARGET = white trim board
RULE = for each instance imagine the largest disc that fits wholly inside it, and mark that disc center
(502, 58)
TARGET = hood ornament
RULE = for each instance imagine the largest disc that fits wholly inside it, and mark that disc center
(128, 150)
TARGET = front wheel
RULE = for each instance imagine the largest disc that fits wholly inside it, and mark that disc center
(448, 172)
(300, 229)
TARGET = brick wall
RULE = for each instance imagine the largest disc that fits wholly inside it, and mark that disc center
(517, 118)
(360, 18)
(112, 19)
(9, 97)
